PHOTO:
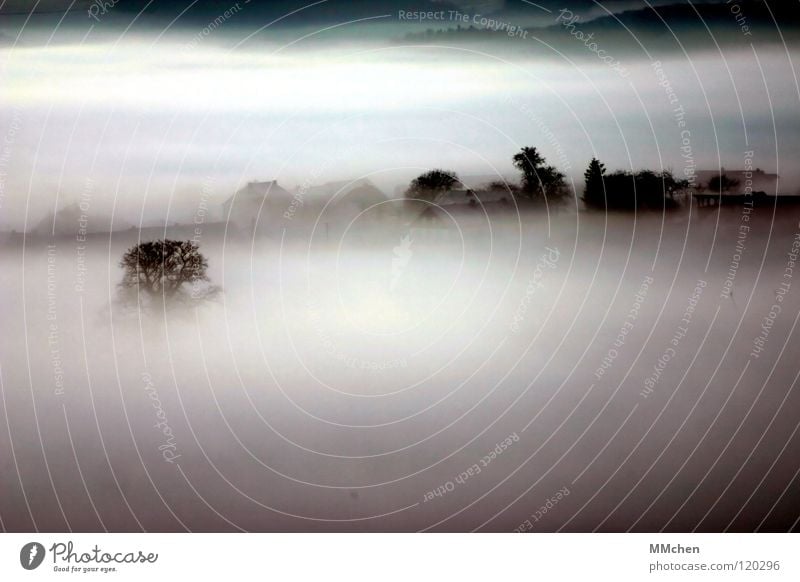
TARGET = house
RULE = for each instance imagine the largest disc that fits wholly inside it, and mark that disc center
(745, 185)
(353, 203)
(456, 212)
(319, 210)
(362, 197)
(352, 206)
(260, 206)
(486, 200)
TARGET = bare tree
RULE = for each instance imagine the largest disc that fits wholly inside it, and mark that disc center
(165, 270)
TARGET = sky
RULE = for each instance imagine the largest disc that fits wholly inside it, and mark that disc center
(145, 108)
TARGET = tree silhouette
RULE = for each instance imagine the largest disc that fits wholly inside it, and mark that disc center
(722, 183)
(642, 189)
(594, 192)
(431, 184)
(538, 180)
(165, 270)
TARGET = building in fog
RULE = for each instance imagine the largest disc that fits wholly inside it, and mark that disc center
(266, 208)
(260, 206)
(457, 212)
(357, 203)
(738, 186)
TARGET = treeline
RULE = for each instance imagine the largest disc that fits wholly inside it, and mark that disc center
(541, 182)
(625, 190)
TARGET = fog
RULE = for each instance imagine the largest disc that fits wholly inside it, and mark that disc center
(336, 384)
(137, 123)
(514, 365)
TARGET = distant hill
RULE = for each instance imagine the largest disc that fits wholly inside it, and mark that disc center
(655, 28)
(204, 11)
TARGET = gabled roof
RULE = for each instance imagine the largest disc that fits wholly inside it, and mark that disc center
(363, 196)
(472, 197)
(258, 191)
(346, 189)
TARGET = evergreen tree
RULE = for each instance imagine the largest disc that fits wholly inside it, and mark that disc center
(594, 192)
